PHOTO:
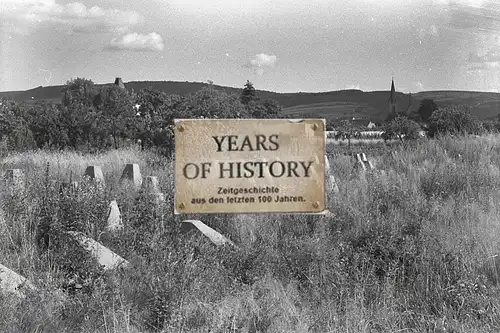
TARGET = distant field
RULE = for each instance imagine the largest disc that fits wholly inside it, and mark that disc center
(331, 110)
(358, 142)
(373, 147)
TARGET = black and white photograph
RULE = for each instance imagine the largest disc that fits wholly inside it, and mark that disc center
(255, 166)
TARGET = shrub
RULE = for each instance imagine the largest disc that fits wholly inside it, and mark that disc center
(402, 128)
(427, 108)
(455, 119)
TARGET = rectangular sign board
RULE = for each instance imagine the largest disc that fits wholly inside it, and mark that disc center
(249, 166)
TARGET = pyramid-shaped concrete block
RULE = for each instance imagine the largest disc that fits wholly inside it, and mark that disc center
(151, 185)
(14, 179)
(332, 184)
(132, 173)
(114, 218)
(94, 172)
(363, 162)
(102, 254)
(198, 226)
(11, 282)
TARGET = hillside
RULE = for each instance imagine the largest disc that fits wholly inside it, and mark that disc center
(329, 105)
(373, 105)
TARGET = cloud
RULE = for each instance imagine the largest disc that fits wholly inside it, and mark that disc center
(481, 20)
(431, 31)
(420, 86)
(259, 71)
(470, 3)
(489, 60)
(26, 15)
(478, 67)
(260, 61)
(263, 60)
(493, 55)
(137, 42)
(474, 16)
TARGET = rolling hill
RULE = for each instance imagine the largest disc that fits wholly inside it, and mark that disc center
(330, 105)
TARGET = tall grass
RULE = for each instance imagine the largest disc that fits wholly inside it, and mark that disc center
(408, 248)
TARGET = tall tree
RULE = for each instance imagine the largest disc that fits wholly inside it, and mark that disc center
(79, 91)
(454, 119)
(248, 94)
(269, 109)
(273, 108)
(427, 107)
(213, 103)
(44, 120)
(401, 127)
(14, 125)
(346, 129)
(10, 117)
(116, 111)
(155, 114)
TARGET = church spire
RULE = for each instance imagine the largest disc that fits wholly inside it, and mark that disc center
(392, 98)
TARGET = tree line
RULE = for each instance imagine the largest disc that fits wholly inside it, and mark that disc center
(430, 118)
(92, 118)
(435, 121)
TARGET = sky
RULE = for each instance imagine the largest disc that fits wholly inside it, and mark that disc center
(279, 45)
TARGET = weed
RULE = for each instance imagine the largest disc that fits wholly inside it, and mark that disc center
(407, 250)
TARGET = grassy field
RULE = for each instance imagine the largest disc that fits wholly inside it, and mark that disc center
(407, 250)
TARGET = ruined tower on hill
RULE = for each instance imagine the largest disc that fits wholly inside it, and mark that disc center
(119, 82)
